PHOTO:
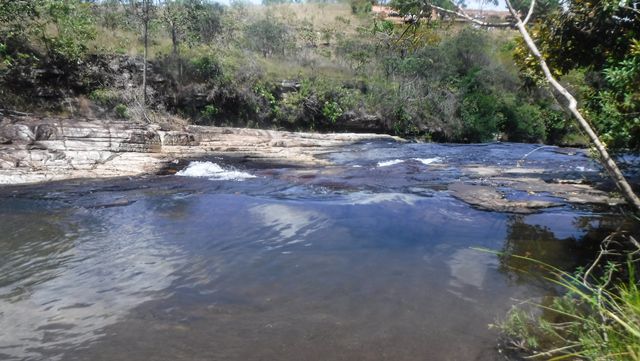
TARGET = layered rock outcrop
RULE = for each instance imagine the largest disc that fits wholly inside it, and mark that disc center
(38, 149)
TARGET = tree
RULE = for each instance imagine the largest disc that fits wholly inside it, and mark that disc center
(192, 20)
(146, 17)
(204, 19)
(455, 9)
(610, 63)
(143, 10)
(268, 36)
(189, 22)
(63, 27)
(175, 16)
(14, 15)
(73, 24)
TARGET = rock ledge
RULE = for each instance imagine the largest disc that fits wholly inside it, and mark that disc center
(40, 149)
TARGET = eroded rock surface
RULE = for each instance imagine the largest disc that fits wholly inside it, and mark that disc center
(43, 149)
(531, 194)
(489, 198)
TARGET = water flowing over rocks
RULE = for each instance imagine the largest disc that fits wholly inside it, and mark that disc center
(39, 149)
(490, 192)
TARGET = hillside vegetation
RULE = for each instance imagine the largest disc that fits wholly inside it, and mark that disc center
(313, 66)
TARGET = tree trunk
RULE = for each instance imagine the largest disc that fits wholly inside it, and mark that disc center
(176, 49)
(174, 39)
(145, 22)
(606, 159)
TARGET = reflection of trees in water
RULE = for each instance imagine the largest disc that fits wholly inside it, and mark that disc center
(539, 242)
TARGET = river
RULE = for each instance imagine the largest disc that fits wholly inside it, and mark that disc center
(370, 258)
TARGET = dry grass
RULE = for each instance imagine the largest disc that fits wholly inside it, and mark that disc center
(322, 16)
(129, 42)
(313, 66)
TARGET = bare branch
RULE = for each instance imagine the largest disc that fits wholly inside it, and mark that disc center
(607, 161)
(526, 20)
(462, 14)
(630, 8)
(634, 242)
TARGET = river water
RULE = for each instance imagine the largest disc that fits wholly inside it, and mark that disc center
(368, 259)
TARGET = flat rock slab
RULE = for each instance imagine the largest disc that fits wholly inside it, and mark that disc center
(570, 192)
(489, 198)
(491, 195)
(40, 149)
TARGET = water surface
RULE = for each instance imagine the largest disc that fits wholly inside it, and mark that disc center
(370, 259)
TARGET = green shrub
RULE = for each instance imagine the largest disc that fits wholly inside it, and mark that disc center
(209, 112)
(204, 67)
(360, 6)
(332, 111)
(481, 117)
(105, 97)
(523, 122)
(122, 111)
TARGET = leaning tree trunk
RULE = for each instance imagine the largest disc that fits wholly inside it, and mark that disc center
(606, 159)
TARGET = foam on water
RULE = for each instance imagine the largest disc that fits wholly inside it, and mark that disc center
(388, 163)
(584, 169)
(427, 161)
(213, 171)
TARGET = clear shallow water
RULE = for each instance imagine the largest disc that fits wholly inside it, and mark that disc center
(352, 262)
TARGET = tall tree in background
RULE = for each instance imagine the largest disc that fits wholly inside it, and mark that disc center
(143, 10)
(174, 15)
(452, 8)
(146, 17)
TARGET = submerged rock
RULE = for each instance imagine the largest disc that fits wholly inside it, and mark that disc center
(489, 198)
(537, 195)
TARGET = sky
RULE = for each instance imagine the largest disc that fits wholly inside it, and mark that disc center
(471, 4)
(478, 4)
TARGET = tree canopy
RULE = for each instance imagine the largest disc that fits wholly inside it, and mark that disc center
(596, 43)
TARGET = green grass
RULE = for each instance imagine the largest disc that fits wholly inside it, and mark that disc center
(596, 319)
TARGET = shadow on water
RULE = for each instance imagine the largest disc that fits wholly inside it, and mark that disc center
(543, 238)
(327, 264)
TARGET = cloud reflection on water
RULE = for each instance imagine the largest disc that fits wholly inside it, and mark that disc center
(287, 224)
(116, 264)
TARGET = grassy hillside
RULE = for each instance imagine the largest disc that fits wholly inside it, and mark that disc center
(306, 66)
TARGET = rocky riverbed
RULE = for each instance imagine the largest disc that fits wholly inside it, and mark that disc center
(359, 249)
(42, 149)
